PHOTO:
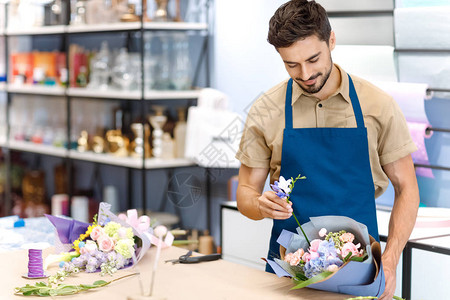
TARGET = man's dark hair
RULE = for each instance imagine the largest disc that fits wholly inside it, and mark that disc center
(296, 20)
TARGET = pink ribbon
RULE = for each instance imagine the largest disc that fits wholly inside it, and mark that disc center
(168, 240)
(141, 224)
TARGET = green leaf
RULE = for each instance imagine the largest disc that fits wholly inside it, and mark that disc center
(100, 282)
(347, 257)
(312, 280)
(358, 258)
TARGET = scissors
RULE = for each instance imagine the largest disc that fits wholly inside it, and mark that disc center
(188, 259)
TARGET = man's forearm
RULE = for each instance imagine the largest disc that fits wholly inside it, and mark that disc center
(247, 202)
(401, 224)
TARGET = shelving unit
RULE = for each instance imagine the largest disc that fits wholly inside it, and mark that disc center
(44, 30)
(37, 148)
(108, 94)
(35, 90)
(68, 32)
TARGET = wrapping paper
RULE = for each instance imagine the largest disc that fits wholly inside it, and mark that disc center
(422, 27)
(213, 132)
(356, 278)
(430, 68)
(368, 62)
(409, 96)
(418, 134)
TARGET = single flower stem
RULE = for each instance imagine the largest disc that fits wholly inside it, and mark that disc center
(298, 223)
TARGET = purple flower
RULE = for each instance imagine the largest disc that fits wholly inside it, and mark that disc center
(282, 187)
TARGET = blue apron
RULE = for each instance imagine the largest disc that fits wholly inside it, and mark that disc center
(336, 164)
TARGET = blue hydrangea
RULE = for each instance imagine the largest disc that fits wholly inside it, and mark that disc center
(327, 257)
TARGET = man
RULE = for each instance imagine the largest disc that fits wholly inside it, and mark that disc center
(344, 134)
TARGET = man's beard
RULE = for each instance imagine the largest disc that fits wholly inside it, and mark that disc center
(318, 86)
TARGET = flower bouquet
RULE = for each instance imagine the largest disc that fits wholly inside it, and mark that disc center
(342, 257)
(109, 244)
(346, 259)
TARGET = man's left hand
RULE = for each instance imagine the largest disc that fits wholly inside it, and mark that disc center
(390, 277)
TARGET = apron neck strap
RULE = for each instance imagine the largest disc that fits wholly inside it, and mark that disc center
(353, 97)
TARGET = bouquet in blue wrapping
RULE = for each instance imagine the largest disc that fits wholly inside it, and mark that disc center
(331, 253)
(342, 257)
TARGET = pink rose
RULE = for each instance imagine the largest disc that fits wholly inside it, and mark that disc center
(295, 260)
(299, 252)
(347, 237)
(288, 257)
(97, 232)
(306, 257)
(314, 255)
(350, 248)
(105, 243)
(314, 245)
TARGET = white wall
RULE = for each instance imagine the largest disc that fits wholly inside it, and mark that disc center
(244, 64)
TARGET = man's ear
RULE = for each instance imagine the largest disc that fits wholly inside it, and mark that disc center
(332, 41)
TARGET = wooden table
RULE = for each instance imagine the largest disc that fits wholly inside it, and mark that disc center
(209, 280)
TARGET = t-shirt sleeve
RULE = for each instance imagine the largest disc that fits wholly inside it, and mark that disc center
(394, 140)
(253, 150)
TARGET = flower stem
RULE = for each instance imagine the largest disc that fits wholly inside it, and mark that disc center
(287, 199)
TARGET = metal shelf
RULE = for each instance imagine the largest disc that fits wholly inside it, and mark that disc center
(163, 95)
(130, 162)
(158, 163)
(42, 30)
(103, 27)
(37, 148)
(107, 159)
(175, 26)
(111, 94)
(36, 89)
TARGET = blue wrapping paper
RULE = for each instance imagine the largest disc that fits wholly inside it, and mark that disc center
(355, 278)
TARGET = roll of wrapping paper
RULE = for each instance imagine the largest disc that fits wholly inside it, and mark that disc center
(419, 133)
(409, 96)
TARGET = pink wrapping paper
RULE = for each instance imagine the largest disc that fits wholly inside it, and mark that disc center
(418, 134)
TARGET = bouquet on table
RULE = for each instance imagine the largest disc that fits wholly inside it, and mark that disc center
(342, 257)
(109, 244)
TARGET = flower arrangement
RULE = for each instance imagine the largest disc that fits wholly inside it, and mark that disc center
(341, 256)
(109, 248)
(107, 245)
(326, 255)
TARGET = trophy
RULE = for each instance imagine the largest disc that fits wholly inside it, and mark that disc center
(157, 121)
(161, 14)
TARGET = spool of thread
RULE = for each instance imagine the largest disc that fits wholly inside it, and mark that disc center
(206, 244)
(35, 264)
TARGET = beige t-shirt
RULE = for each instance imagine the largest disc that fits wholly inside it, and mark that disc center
(387, 132)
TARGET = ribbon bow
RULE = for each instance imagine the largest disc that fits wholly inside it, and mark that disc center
(141, 224)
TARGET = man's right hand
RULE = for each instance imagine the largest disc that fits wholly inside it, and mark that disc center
(274, 207)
